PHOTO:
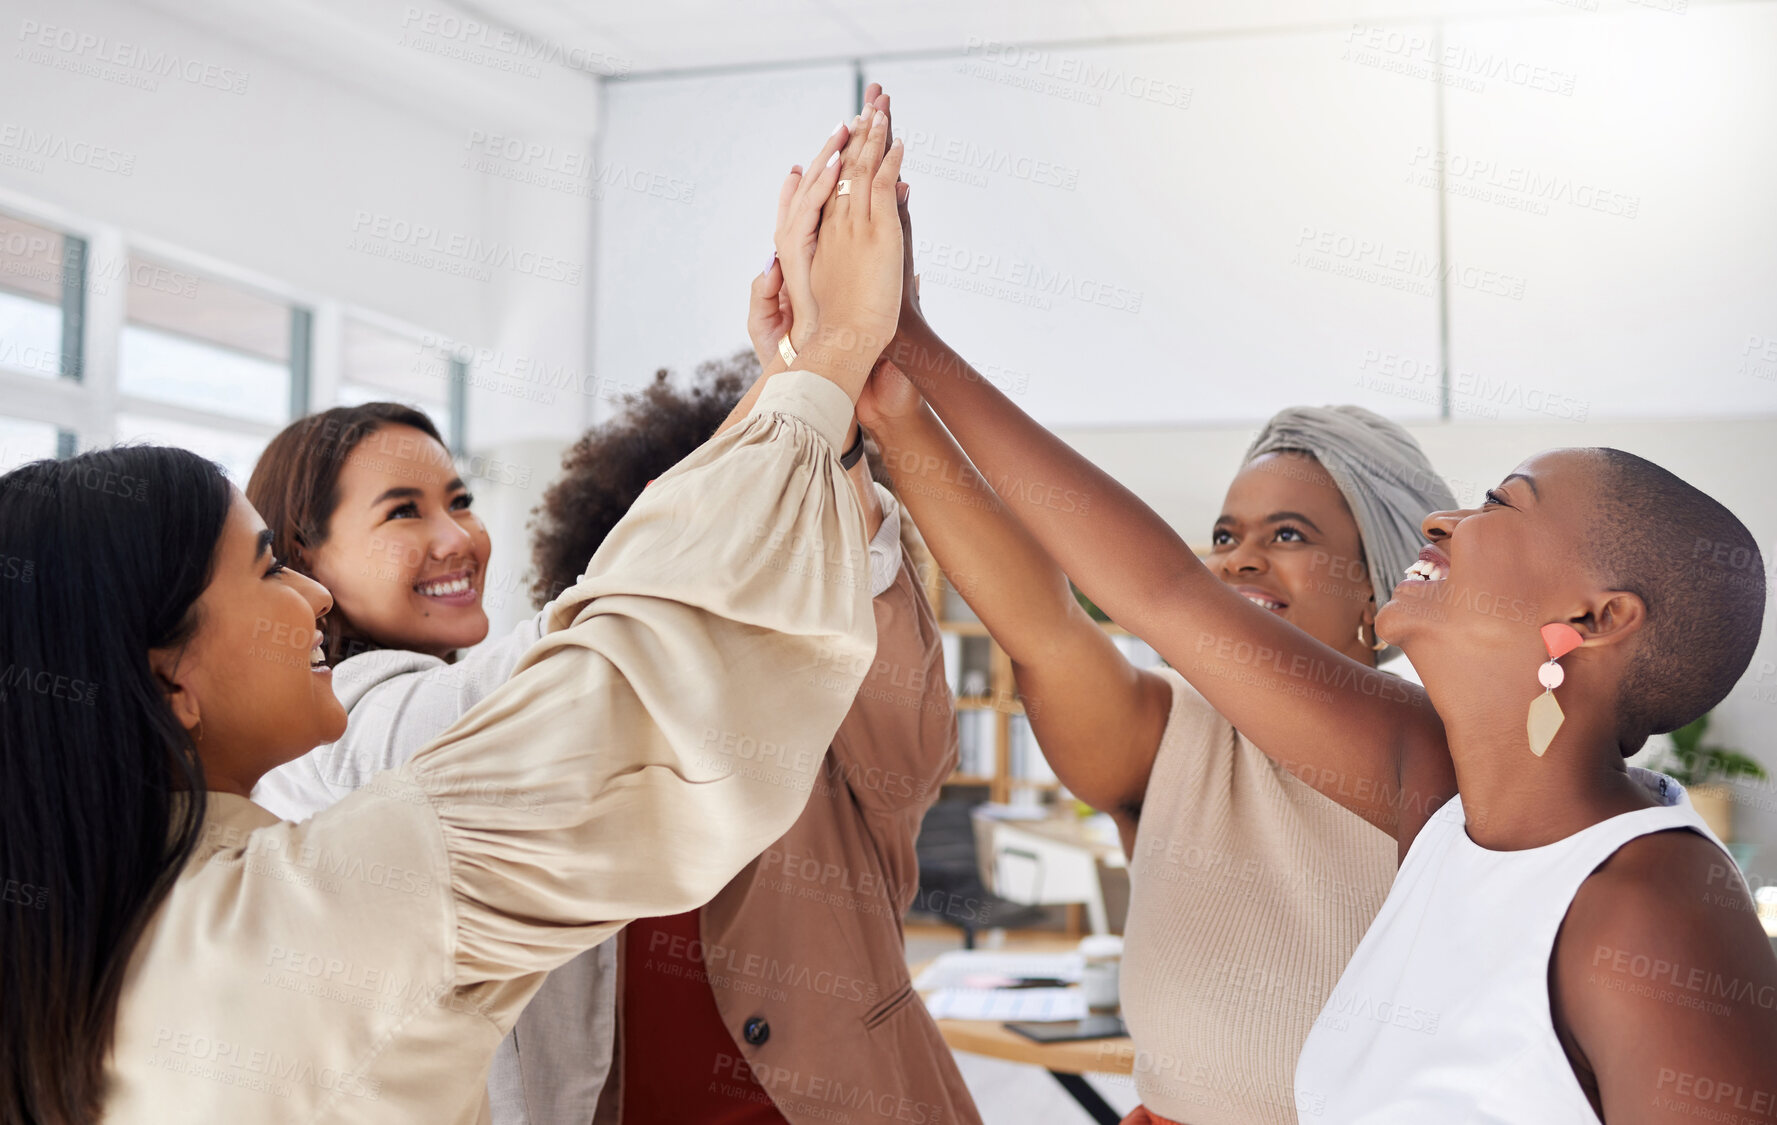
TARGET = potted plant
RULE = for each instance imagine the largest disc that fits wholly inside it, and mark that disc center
(1704, 771)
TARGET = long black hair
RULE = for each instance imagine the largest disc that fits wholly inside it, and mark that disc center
(102, 558)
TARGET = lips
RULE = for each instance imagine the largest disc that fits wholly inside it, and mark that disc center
(318, 654)
(455, 588)
(1264, 599)
(1432, 565)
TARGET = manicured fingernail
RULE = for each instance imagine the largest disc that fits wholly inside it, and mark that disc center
(880, 119)
(831, 159)
(901, 192)
(769, 262)
(839, 128)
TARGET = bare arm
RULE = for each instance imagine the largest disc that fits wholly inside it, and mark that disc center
(1097, 719)
(1663, 988)
(1341, 726)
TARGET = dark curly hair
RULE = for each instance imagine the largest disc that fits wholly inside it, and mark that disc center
(604, 472)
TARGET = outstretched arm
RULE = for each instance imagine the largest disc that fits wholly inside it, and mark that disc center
(1341, 726)
(1097, 719)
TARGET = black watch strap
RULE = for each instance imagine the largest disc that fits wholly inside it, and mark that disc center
(851, 456)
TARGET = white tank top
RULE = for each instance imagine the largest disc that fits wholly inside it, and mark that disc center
(1443, 1013)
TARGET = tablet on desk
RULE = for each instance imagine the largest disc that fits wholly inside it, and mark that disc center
(1070, 1031)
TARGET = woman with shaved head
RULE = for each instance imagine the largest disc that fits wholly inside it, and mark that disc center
(1547, 952)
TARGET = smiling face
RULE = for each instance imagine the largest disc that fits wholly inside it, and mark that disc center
(404, 556)
(251, 686)
(1287, 541)
(1494, 574)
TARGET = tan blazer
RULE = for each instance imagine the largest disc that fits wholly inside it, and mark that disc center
(804, 947)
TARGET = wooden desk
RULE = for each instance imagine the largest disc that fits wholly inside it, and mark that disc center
(1087, 1056)
(1067, 1062)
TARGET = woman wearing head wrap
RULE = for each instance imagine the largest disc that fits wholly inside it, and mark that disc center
(1250, 890)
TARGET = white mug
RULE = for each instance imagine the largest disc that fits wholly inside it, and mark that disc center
(1099, 979)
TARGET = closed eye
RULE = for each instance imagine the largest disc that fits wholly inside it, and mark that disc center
(1494, 496)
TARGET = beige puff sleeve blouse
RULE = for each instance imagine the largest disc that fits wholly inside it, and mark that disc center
(362, 965)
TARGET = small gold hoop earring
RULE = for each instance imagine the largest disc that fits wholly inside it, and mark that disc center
(1377, 647)
(199, 736)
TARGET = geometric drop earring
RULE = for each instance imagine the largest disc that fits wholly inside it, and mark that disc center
(1546, 715)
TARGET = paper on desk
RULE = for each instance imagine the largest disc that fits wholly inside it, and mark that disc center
(1031, 1005)
(1012, 812)
(954, 969)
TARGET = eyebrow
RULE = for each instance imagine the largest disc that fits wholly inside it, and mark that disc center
(1527, 480)
(264, 546)
(397, 493)
(1274, 517)
(408, 492)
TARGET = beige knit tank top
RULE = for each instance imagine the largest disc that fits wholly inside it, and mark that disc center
(1249, 893)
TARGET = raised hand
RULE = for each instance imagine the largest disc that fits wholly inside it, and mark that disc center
(912, 317)
(768, 306)
(855, 278)
(798, 224)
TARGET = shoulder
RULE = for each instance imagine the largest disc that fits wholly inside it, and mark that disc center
(1672, 886)
(1187, 712)
(1661, 967)
(1191, 724)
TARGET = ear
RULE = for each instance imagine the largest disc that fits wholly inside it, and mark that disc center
(1613, 617)
(1368, 617)
(164, 663)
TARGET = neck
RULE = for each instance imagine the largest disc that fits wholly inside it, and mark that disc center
(221, 777)
(1511, 798)
(1353, 647)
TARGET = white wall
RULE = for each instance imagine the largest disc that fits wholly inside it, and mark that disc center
(1660, 299)
(1207, 230)
(675, 262)
(1120, 256)
(316, 173)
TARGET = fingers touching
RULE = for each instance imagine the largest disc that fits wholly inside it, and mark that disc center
(787, 194)
(799, 214)
(887, 169)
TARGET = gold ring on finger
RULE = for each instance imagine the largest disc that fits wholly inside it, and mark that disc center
(844, 187)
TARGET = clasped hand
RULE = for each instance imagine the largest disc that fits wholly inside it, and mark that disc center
(835, 285)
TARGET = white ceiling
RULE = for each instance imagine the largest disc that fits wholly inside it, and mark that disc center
(653, 36)
(535, 64)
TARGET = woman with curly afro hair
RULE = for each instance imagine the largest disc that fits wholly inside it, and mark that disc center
(802, 950)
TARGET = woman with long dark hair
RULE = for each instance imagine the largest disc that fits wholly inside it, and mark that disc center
(103, 792)
(197, 957)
